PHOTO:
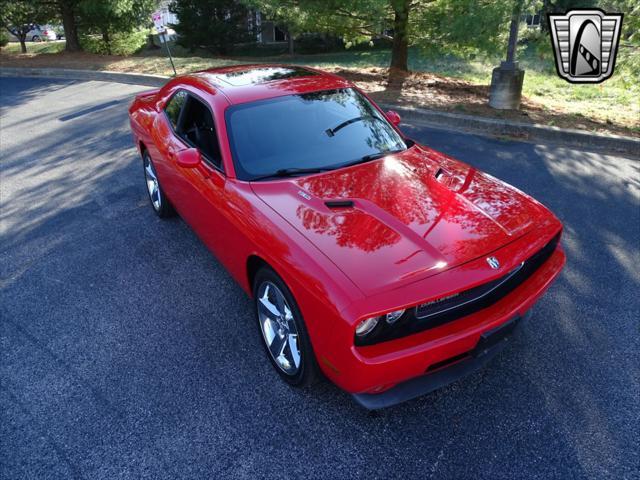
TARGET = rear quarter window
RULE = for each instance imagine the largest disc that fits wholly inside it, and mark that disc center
(174, 106)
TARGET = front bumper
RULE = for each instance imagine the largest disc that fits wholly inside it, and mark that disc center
(372, 370)
(490, 344)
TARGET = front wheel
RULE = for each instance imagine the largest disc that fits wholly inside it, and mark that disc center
(283, 331)
(158, 199)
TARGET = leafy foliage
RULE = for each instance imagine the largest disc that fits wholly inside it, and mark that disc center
(120, 43)
(215, 25)
(460, 27)
(4, 38)
(354, 20)
(111, 18)
(17, 15)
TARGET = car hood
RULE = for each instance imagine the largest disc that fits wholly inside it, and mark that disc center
(413, 214)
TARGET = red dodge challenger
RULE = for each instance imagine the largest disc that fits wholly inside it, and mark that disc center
(388, 266)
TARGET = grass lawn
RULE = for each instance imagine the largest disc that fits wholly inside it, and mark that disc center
(441, 83)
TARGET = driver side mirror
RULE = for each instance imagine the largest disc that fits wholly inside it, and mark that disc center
(189, 158)
(394, 118)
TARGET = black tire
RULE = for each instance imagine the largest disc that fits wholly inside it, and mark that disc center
(36, 38)
(160, 204)
(307, 372)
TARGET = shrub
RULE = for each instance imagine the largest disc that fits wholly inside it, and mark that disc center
(122, 43)
(308, 43)
(628, 66)
(4, 38)
(215, 25)
(254, 49)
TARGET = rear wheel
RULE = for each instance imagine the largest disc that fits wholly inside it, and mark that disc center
(36, 38)
(159, 201)
(282, 329)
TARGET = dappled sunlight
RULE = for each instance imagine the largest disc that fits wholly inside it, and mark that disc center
(572, 243)
(578, 171)
(70, 186)
(627, 256)
(573, 340)
(579, 282)
(122, 314)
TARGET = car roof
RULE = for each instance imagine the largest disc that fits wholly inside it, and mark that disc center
(248, 83)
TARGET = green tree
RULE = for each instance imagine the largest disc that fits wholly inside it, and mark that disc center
(561, 6)
(441, 25)
(353, 20)
(462, 27)
(287, 13)
(631, 22)
(16, 16)
(68, 11)
(108, 17)
(216, 25)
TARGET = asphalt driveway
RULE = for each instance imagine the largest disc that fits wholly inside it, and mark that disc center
(127, 351)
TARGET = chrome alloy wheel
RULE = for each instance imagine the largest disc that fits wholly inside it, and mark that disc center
(152, 183)
(278, 328)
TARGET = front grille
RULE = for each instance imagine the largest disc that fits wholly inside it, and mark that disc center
(439, 307)
(434, 314)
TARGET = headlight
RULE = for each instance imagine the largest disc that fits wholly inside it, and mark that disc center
(393, 317)
(366, 326)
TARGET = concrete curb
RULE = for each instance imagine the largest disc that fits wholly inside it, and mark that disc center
(97, 75)
(534, 133)
(452, 121)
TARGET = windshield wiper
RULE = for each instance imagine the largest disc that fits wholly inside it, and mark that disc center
(373, 156)
(332, 131)
(290, 172)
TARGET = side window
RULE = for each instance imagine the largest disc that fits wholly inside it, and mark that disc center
(174, 106)
(198, 129)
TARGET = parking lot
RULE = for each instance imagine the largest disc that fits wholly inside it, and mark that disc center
(128, 351)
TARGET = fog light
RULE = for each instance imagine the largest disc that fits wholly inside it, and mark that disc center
(366, 326)
(393, 317)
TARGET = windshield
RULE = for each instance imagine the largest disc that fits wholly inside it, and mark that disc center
(313, 131)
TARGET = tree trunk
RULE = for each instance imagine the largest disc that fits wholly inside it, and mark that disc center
(23, 42)
(107, 40)
(72, 44)
(544, 24)
(290, 43)
(400, 46)
(513, 31)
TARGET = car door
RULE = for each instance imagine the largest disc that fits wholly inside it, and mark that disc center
(166, 143)
(199, 192)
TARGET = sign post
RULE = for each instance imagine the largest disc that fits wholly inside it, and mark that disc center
(162, 31)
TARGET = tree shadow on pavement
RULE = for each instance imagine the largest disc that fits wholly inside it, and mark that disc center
(128, 349)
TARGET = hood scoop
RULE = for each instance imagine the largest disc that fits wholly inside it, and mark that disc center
(339, 203)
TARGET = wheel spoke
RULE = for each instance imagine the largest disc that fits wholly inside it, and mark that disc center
(293, 349)
(150, 172)
(279, 301)
(269, 308)
(269, 331)
(287, 313)
(277, 346)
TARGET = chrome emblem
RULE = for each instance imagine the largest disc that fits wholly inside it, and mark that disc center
(585, 43)
(304, 195)
(493, 263)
